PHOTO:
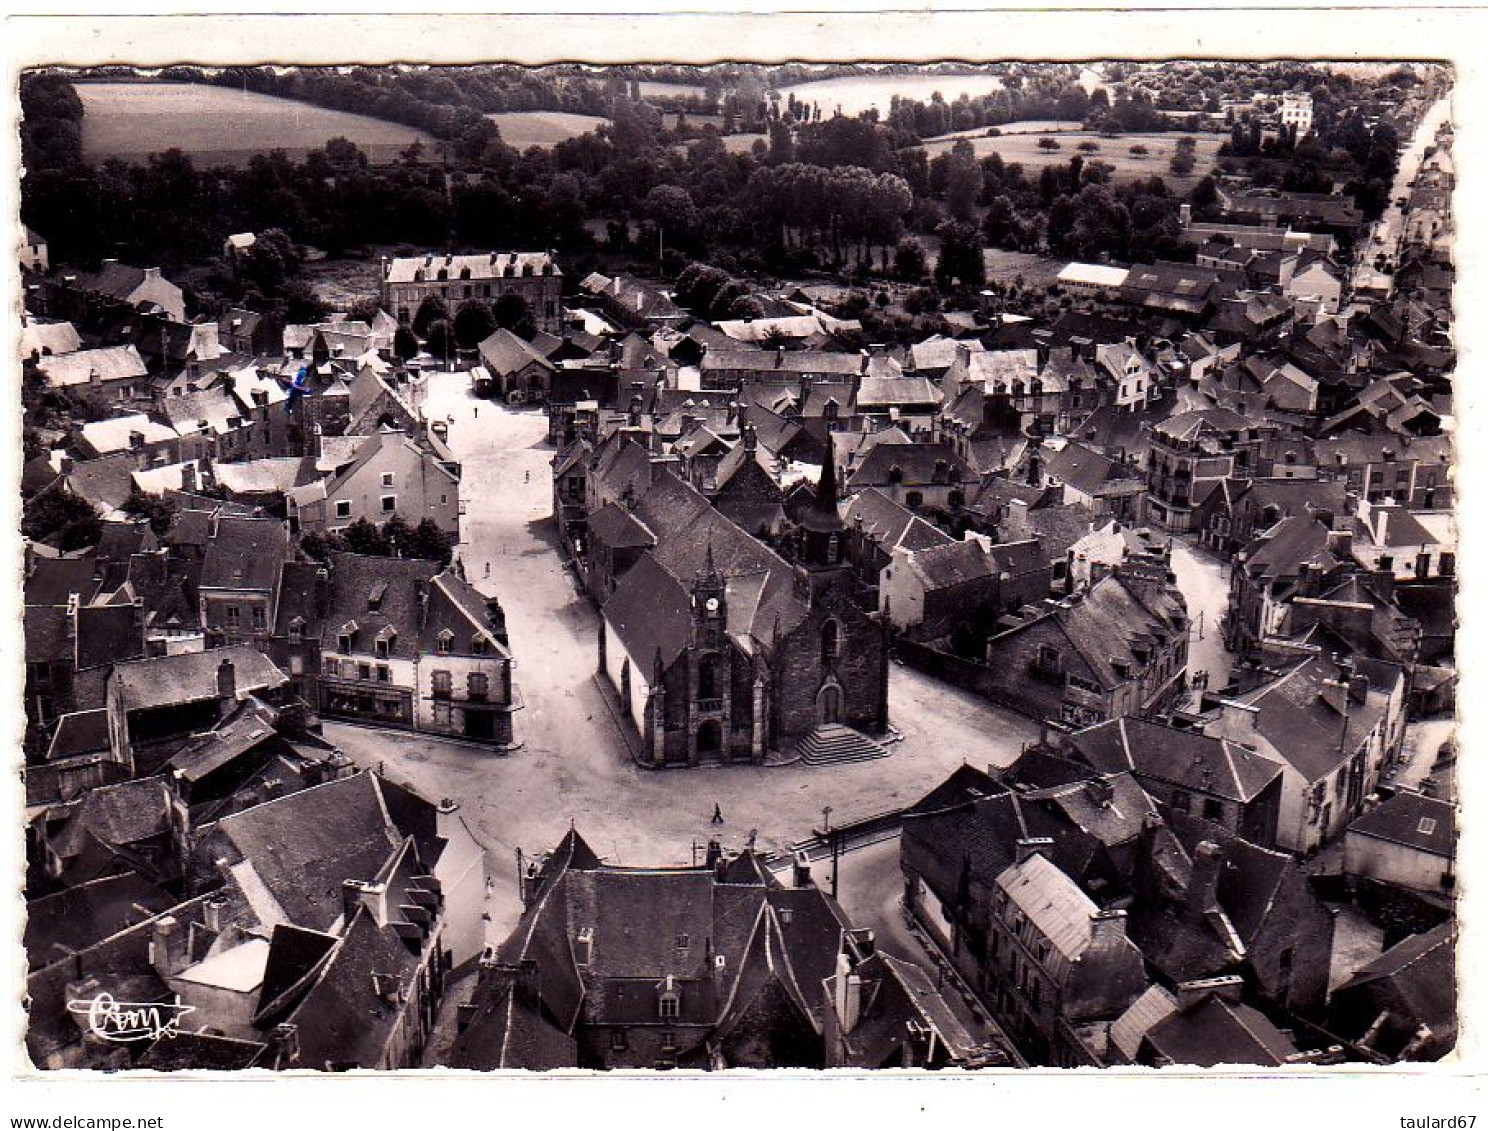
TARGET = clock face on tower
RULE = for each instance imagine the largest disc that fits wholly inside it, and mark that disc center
(711, 604)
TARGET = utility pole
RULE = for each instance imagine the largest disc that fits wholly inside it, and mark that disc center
(833, 842)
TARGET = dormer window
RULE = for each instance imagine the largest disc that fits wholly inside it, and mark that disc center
(384, 642)
(297, 628)
(584, 946)
(684, 943)
(477, 645)
(442, 642)
(669, 1005)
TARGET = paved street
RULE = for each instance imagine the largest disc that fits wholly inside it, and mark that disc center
(573, 762)
(1384, 235)
(1204, 582)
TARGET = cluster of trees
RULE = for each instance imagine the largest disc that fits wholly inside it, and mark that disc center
(711, 292)
(394, 538)
(471, 322)
(51, 122)
(846, 206)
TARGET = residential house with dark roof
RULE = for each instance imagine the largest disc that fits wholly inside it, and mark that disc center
(1389, 539)
(1087, 478)
(1297, 557)
(1411, 470)
(1332, 728)
(1187, 771)
(710, 967)
(1408, 840)
(876, 527)
(1208, 904)
(1117, 648)
(914, 475)
(392, 473)
(927, 592)
(166, 698)
(1237, 510)
(1201, 1024)
(1059, 969)
(405, 644)
(1189, 453)
(239, 581)
(81, 296)
(885, 1012)
(518, 373)
(745, 487)
(1403, 1005)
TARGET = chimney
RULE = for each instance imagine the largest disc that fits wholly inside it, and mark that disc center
(847, 994)
(1034, 846)
(1358, 688)
(1335, 693)
(136, 440)
(1107, 928)
(170, 946)
(286, 1044)
(1203, 881)
(151, 272)
(750, 439)
(212, 914)
(801, 871)
(1237, 722)
(1226, 988)
(322, 591)
(227, 685)
(1100, 791)
(447, 820)
(862, 941)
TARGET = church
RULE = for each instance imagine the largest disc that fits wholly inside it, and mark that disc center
(720, 650)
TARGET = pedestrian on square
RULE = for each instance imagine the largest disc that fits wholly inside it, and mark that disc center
(717, 814)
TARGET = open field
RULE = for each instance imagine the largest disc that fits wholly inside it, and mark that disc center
(543, 128)
(671, 90)
(341, 282)
(1024, 149)
(1041, 126)
(216, 125)
(855, 93)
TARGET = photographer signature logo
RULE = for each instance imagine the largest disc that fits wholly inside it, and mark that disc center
(122, 1021)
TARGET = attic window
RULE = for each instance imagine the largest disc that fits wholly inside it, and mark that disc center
(442, 642)
(785, 916)
(374, 598)
(296, 628)
(584, 946)
(684, 942)
(670, 1002)
(477, 645)
(1427, 826)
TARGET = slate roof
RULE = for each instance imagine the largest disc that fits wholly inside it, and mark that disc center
(1086, 470)
(916, 463)
(947, 566)
(111, 363)
(504, 354)
(1303, 728)
(889, 524)
(1219, 1032)
(487, 265)
(359, 581)
(81, 916)
(302, 846)
(166, 681)
(1415, 980)
(1414, 821)
(48, 338)
(1281, 552)
(245, 554)
(728, 948)
(1108, 623)
(1179, 757)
